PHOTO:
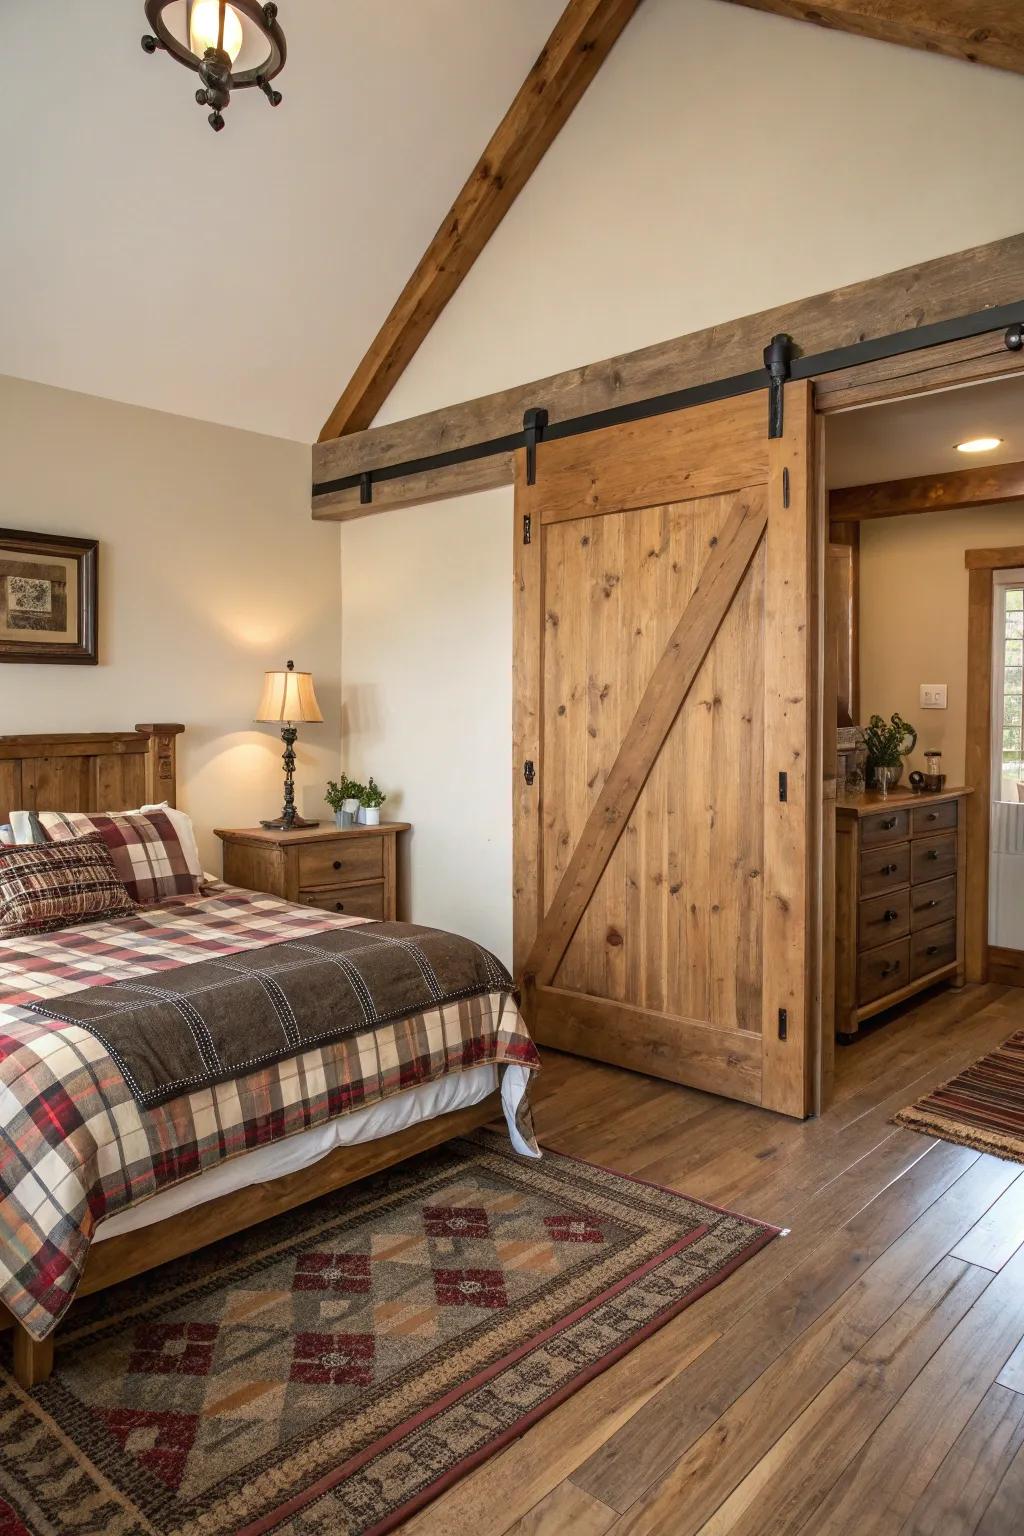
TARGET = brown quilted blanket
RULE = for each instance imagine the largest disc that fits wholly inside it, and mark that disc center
(217, 1019)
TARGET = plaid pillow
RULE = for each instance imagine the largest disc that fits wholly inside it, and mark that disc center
(56, 885)
(146, 849)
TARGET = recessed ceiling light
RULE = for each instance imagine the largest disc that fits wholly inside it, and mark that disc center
(979, 445)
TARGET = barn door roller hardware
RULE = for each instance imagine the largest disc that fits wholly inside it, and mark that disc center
(782, 361)
(534, 422)
(778, 360)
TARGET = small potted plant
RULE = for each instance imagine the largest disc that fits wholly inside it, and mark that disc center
(370, 801)
(887, 745)
(343, 798)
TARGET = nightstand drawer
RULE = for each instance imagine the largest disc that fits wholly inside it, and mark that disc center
(882, 869)
(352, 900)
(934, 818)
(883, 970)
(883, 919)
(886, 827)
(932, 948)
(336, 863)
(933, 903)
(933, 857)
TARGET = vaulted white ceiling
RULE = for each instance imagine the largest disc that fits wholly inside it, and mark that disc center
(236, 277)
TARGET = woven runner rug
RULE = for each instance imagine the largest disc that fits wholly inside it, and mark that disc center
(336, 1368)
(981, 1108)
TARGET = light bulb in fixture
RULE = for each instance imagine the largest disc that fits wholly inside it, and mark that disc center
(204, 29)
(979, 445)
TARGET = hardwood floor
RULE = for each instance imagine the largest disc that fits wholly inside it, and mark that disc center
(862, 1376)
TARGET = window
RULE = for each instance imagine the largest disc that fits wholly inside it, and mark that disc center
(1008, 685)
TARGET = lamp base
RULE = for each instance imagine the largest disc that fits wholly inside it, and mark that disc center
(288, 824)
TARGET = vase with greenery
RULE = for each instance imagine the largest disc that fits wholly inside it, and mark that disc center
(370, 800)
(888, 743)
(343, 798)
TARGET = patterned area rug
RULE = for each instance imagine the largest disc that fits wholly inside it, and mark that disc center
(335, 1369)
(981, 1108)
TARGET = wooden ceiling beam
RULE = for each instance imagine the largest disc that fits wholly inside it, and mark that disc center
(979, 31)
(974, 487)
(572, 56)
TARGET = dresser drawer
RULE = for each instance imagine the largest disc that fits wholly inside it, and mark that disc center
(885, 827)
(881, 869)
(883, 970)
(933, 903)
(352, 900)
(932, 948)
(336, 863)
(933, 857)
(882, 919)
(934, 818)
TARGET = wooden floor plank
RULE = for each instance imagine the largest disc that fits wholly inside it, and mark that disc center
(857, 1443)
(999, 1233)
(783, 1490)
(621, 1471)
(880, 1489)
(965, 1484)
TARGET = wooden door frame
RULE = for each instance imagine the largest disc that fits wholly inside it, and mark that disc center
(982, 565)
(980, 359)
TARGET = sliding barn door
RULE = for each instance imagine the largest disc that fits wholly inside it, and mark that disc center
(664, 685)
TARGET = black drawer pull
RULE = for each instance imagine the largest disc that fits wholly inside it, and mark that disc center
(933, 853)
(932, 949)
(336, 864)
(933, 815)
(891, 968)
(889, 869)
(933, 903)
(887, 826)
(890, 916)
(339, 906)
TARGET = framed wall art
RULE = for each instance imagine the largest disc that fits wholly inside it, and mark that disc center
(47, 598)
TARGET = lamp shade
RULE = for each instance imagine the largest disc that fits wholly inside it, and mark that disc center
(288, 697)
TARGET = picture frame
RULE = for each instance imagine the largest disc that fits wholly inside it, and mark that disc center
(48, 598)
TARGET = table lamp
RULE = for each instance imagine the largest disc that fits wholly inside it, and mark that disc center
(289, 697)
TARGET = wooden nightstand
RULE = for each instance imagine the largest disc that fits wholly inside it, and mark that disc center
(350, 870)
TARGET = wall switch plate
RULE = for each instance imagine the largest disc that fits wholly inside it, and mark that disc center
(933, 695)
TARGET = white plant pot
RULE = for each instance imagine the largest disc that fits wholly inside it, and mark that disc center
(369, 815)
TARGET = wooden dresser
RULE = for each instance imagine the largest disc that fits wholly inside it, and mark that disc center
(350, 870)
(899, 899)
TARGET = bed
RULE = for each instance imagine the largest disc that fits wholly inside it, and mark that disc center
(165, 1179)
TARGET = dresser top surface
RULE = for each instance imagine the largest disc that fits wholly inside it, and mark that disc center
(273, 837)
(869, 801)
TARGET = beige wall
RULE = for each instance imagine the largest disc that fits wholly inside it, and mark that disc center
(210, 571)
(674, 198)
(913, 618)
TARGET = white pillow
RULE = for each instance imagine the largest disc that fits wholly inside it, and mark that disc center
(21, 825)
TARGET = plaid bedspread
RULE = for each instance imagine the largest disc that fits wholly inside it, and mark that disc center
(76, 1147)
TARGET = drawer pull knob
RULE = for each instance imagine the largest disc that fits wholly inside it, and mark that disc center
(932, 949)
(887, 826)
(933, 903)
(891, 968)
(933, 853)
(890, 916)
(889, 869)
(336, 864)
(339, 906)
(933, 815)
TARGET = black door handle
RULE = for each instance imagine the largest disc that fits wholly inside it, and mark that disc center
(890, 916)
(933, 853)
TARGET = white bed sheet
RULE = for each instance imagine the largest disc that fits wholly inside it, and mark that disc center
(456, 1091)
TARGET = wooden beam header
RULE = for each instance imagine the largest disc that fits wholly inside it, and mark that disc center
(984, 277)
(973, 487)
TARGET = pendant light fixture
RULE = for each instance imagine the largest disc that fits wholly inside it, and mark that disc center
(230, 44)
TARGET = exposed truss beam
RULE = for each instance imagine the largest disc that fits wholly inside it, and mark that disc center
(974, 487)
(980, 31)
(571, 58)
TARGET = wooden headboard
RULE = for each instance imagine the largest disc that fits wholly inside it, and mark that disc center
(88, 770)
